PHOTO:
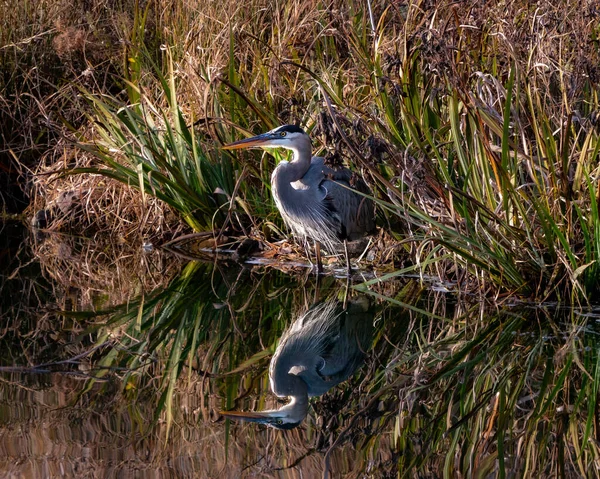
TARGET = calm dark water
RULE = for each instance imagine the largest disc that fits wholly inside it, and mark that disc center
(130, 381)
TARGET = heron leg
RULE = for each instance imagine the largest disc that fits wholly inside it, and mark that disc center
(349, 270)
(347, 289)
(308, 253)
(318, 253)
(317, 292)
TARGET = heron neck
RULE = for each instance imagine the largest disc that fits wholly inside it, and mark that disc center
(297, 168)
(297, 407)
(283, 383)
(296, 389)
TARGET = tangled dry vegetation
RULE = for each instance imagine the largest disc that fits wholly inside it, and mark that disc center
(475, 124)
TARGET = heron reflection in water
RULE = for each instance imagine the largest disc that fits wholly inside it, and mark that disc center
(328, 206)
(320, 349)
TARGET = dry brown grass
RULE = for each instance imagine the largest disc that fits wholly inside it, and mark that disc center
(93, 205)
(465, 50)
(46, 43)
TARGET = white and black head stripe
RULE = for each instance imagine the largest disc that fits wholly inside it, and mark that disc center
(288, 129)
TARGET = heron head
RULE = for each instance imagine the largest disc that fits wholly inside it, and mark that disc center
(279, 419)
(286, 136)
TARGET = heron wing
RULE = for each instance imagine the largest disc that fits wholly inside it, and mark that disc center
(323, 347)
(340, 355)
(345, 191)
(307, 208)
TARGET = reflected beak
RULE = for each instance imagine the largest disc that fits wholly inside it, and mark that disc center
(277, 418)
(254, 142)
(250, 416)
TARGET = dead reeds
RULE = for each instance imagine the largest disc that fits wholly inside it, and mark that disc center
(475, 127)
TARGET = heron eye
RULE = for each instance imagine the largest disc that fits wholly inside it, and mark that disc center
(283, 133)
(280, 421)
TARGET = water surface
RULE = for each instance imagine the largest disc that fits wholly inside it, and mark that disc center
(97, 385)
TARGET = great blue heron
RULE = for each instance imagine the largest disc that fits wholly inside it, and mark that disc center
(321, 349)
(315, 201)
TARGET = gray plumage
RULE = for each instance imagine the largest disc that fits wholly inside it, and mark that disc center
(315, 201)
(322, 348)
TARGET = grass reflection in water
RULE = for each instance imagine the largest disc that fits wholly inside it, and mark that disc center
(457, 388)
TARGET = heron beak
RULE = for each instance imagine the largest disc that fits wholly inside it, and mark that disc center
(254, 142)
(249, 416)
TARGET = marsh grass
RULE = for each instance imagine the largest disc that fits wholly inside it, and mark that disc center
(448, 387)
(498, 155)
(479, 140)
(191, 328)
(476, 127)
(45, 48)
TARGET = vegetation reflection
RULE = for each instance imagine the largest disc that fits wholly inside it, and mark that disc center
(447, 385)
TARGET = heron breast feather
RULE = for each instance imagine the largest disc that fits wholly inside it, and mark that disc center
(297, 370)
(299, 185)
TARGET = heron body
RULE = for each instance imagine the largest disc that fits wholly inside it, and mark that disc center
(320, 350)
(316, 202)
